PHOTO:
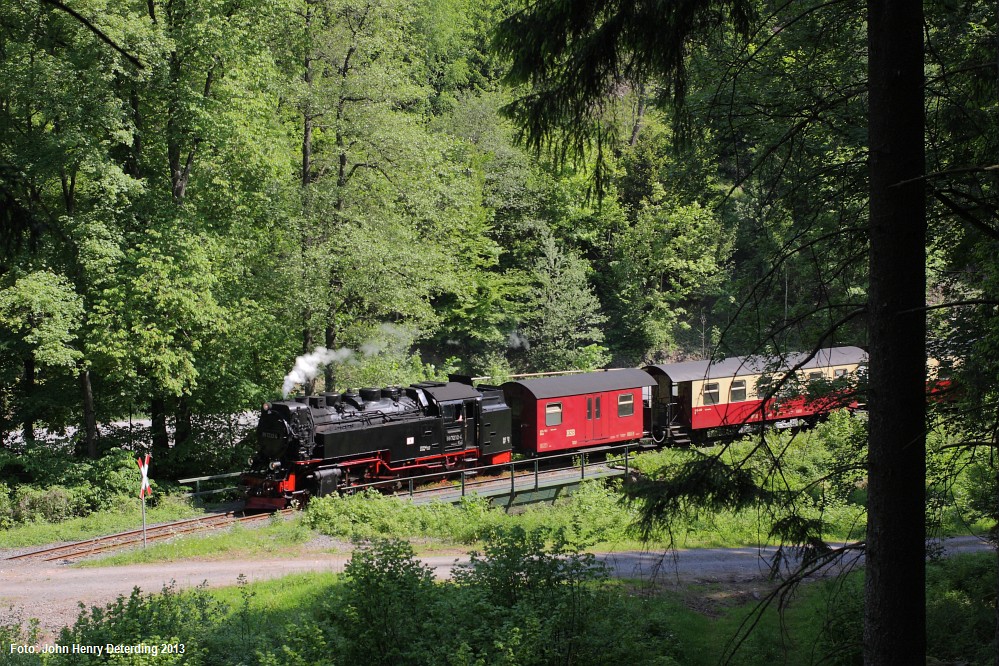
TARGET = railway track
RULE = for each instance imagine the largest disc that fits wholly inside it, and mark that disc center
(97, 545)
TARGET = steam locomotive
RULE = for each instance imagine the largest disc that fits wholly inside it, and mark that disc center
(321, 444)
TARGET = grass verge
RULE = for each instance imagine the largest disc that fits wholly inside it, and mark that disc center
(124, 518)
(279, 536)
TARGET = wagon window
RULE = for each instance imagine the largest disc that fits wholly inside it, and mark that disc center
(711, 393)
(625, 404)
(738, 391)
(553, 414)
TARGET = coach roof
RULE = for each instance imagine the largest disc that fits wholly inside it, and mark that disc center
(589, 382)
(738, 366)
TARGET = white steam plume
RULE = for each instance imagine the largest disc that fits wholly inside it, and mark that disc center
(518, 341)
(307, 366)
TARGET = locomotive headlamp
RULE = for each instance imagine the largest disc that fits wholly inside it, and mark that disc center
(275, 466)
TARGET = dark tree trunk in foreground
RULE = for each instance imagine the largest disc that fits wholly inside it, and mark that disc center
(895, 610)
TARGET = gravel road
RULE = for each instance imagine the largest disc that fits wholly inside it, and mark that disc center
(52, 592)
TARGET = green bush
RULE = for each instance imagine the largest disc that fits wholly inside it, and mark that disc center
(386, 605)
(13, 631)
(960, 613)
(53, 486)
(51, 505)
(370, 515)
(960, 608)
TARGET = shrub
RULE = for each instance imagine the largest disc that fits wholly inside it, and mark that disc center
(960, 613)
(14, 632)
(154, 619)
(960, 609)
(370, 515)
(51, 505)
(539, 594)
(386, 604)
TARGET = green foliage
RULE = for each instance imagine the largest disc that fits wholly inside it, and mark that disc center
(54, 486)
(151, 620)
(672, 256)
(16, 632)
(43, 311)
(563, 327)
(960, 613)
(373, 515)
(387, 599)
(537, 593)
(6, 507)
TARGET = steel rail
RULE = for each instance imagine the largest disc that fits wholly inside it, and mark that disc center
(76, 550)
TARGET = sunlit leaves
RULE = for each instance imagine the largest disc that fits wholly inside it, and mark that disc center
(42, 312)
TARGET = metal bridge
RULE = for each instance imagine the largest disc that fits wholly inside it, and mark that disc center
(518, 482)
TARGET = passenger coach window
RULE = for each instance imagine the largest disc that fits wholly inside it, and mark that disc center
(553, 414)
(738, 390)
(839, 373)
(814, 375)
(625, 404)
(711, 394)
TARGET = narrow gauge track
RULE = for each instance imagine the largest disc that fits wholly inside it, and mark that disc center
(80, 549)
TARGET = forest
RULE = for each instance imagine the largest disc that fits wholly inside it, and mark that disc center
(194, 193)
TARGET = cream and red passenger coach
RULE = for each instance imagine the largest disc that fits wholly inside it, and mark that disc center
(700, 395)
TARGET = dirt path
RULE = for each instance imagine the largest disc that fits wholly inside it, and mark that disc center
(52, 592)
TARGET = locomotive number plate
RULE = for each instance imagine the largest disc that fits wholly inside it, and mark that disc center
(570, 433)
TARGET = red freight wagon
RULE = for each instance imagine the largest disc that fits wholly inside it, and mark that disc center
(568, 412)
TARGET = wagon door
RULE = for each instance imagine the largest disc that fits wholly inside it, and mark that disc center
(594, 418)
(683, 404)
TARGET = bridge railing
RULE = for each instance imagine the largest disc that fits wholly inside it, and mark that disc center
(197, 484)
(468, 480)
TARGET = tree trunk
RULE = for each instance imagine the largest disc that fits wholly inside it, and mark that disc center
(183, 430)
(309, 386)
(895, 608)
(89, 413)
(27, 395)
(161, 441)
(330, 344)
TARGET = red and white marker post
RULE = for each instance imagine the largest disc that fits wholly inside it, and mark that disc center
(144, 491)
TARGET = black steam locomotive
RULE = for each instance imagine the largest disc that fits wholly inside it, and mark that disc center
(317, 445)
